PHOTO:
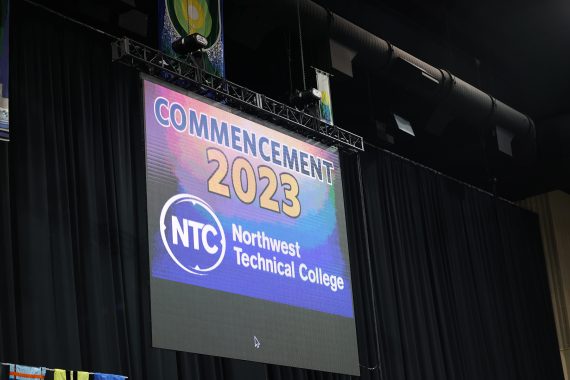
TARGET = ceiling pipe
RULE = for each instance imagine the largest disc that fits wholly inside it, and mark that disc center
(454, 98)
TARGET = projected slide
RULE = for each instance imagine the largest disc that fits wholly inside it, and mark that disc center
(247, 238)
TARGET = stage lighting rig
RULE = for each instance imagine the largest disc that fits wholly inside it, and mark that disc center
(306, 98)
(189, 44)
(192, 77)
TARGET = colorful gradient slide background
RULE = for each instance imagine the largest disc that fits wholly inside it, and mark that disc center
(177, 163)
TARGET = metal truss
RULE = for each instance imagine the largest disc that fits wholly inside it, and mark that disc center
(190, 77)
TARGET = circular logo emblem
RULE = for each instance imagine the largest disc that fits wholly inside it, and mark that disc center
(192, 234)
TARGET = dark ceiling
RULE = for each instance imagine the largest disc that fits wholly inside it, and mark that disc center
(519, 52)
(526, 43)
(516, 52)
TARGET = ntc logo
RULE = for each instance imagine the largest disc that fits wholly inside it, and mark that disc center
(192, 234)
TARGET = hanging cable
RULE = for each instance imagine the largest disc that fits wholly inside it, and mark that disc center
(289, 62)
(301, 45)
(71, 19)
(188, 17)
(370, 274)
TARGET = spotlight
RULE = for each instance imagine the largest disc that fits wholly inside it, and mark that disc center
(189, 44)
(307, 97)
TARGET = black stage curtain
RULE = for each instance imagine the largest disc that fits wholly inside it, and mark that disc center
(449, 282)
(460, 279)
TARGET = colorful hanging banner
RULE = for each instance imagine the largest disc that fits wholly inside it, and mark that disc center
(179, 18)
(4, 73)
(23, 372)
(323, 86)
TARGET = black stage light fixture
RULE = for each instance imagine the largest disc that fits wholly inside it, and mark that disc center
(306, 98)
(189, 44)
(404, 125)
(504, 140)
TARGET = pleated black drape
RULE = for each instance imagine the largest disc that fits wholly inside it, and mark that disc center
(74, 271)
(449, 283)
(460, 278)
